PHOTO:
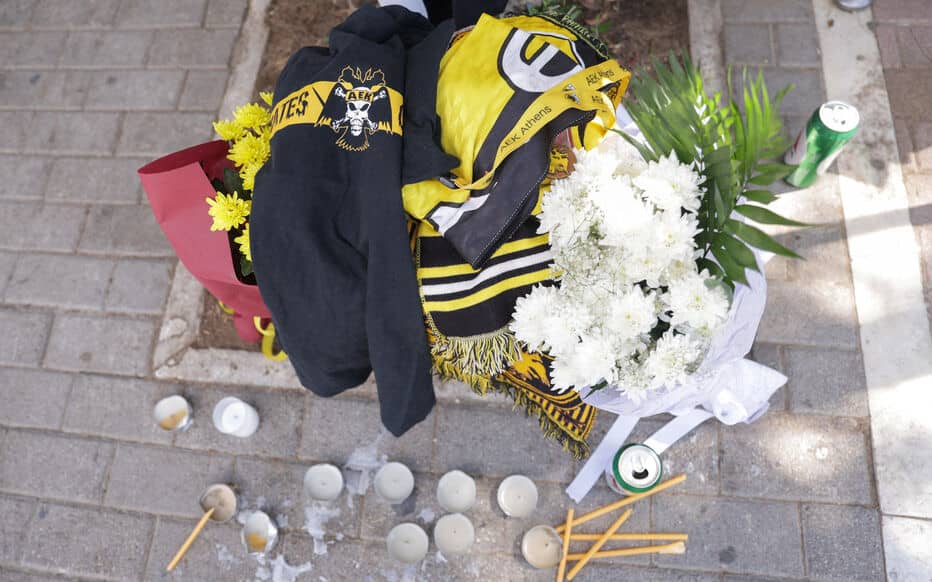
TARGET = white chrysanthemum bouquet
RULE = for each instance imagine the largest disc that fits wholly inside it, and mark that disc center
(631, 309)
(652, 237)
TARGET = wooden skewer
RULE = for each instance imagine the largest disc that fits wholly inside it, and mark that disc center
(632, 537)
(623, 502)
(597, 545)
(674, 548)
(187, 543)
(566, 544)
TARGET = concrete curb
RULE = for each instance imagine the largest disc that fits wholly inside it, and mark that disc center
(705, 42)
(247, 57)
(174, 358)
(895, 340)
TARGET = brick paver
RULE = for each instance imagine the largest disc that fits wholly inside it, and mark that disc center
(90, 488)
(904, 34)
(58, 540)
(79, 244)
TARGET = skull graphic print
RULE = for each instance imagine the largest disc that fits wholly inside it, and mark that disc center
(358, 107)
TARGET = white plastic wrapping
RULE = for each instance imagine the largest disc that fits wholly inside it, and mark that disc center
(731, 387)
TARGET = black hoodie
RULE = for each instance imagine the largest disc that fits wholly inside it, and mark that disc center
(327, 231)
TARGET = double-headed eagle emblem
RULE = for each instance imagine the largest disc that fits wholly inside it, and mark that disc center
(358, 106)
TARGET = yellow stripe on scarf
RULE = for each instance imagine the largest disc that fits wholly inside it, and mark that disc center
(466, 268)
(488, 292)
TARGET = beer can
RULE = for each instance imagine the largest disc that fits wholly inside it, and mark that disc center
(636, 468)
(828, 130)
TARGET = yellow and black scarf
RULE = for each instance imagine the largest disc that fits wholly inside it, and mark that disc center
(514, 96)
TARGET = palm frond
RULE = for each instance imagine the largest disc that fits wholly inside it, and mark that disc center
(734, 143)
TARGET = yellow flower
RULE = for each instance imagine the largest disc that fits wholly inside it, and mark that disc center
(267, 97)
(243, 242)
(252, 116)
(229, 130)
(228, 210)
(249, 150)
(248, 175)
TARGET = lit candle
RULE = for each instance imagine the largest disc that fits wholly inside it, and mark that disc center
(259, 533)
(407, 543)
(394, 482)
(456, 491)
(323, 482)
(173, 413)
(454, 534)
(517, 496)
(234, 417)
(542, 546)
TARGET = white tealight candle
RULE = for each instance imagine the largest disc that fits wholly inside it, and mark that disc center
(517, 496)
(394, 482)
(173, 413)
(259, 533)
(323, 482)
(456, 491)
(234, 417)
(407, 543)
(454, 534)
(542, 546)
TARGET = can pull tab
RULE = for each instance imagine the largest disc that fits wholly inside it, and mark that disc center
(638, 471)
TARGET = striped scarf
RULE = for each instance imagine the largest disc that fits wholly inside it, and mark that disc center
(467, 313)
(509, 91)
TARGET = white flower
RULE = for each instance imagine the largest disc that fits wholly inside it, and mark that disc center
(631, 315)
(674, 236)
(531, 318)
(671, 360)
(622, 158)
(696, 304)
(670, 185)
(585, 364)
(564, 214)
(622, 212)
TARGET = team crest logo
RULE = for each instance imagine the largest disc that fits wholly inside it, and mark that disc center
(357, 107)
(562, 162)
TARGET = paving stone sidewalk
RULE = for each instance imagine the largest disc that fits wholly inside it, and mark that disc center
(904, 34)
(90, 489)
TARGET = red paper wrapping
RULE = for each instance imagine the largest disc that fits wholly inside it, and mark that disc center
(177, 186)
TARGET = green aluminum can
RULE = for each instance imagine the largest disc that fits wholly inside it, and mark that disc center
(831, 126)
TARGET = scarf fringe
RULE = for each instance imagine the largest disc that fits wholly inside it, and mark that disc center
(470, 359)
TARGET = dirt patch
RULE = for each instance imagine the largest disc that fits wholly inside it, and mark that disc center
(637, 30)
(294, 24)
(634, 30)
(217, 329)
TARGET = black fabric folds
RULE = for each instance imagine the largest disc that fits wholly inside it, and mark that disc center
(424, 157)
(328, 235)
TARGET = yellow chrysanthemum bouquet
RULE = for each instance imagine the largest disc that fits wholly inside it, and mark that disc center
(248, 134)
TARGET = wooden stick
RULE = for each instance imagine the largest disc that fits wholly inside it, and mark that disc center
(187, 543)
(623, 502)
(566, 544)
(598, 544)
(632, 537)
(674, 548)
